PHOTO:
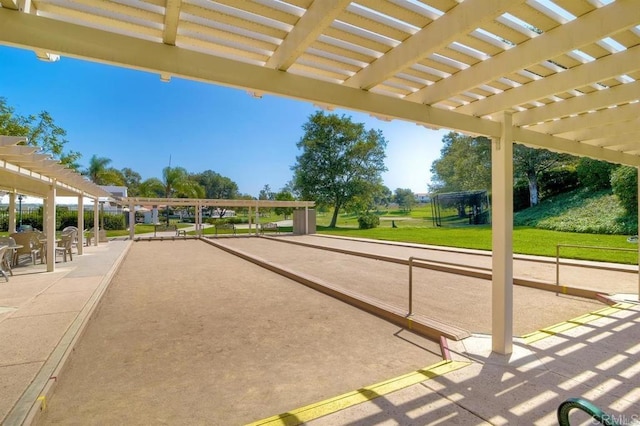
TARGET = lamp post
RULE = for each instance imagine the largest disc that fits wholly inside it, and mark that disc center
(20, 211)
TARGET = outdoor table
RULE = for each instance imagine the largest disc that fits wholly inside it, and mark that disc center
(14, 258)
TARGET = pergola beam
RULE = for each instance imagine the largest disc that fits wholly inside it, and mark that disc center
(583, 75)
(592, 27)
(556, 144)
(9, 4)
(580, 104)
(315, 20)
(623, 128)
(31, 32)
(462, 19)
(590, 120)
(171, 19)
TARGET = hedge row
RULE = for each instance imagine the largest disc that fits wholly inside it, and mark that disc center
(64, 219)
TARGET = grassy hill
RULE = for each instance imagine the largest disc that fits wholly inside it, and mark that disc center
(579, 211)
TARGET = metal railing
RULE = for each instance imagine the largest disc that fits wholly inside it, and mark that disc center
(558, 246)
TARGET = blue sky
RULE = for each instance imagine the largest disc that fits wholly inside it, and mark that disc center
(140, 122)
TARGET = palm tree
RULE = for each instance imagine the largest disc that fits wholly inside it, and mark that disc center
(178, 183)
(97, 168)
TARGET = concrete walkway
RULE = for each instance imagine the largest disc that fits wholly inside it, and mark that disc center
(596, 357)
(40, 315)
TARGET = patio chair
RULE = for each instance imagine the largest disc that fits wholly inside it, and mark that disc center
(27, 246)
(7, 259)
(64, 246)
(74, 230)
(3, 264)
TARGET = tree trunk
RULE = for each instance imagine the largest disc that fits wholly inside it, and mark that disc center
(533, 189)
(334, 218)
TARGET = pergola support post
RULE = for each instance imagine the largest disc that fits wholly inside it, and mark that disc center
(96, 222)
(132, 221)
(50, 219)
(12, 212)
(199, 220)
(80, 223)
(250, 228)
(502, 238)
(257, 218)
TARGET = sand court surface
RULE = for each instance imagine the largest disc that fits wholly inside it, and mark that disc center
(459, 300)
(189, 334)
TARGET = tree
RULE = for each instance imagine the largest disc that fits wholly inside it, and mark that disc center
(178, 184)
(100, 174)
(530, 163)
(266, 193)
(624, 182)
(284, 196)
(595, 174)
(405, 198)
(40, 130)
(340, 160)
(132, 181)
(151, 188)
(216, 186)
(382, 196)
(464, 164)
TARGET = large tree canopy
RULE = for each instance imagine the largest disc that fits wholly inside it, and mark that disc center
(40, 130)
(464, 164)
(340, 160)
(216, 186)
(530, 163)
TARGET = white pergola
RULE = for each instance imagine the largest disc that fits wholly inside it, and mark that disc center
(560, 75)
(199, 203)
(26, 171)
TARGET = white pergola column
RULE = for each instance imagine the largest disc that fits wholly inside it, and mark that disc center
(250, 229)
(257, 218)
(12, 212)
(306, 220)
(49, 207)
(200, 226)
(80, 224)
(502, 238)
(132, 221)
(96, 222)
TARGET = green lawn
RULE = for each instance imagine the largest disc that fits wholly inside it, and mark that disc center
(417, 227)
(526, 240)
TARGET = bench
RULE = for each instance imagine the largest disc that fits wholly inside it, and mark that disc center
(225, 227)
(269, 226)
(180, 232)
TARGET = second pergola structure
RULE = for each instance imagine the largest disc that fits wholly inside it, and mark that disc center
(198, 204)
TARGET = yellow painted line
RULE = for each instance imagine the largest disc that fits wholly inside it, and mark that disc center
(43, 402)
(365, 394)
(575, 322)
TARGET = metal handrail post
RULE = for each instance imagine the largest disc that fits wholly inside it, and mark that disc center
(557, 267)
(410, 285)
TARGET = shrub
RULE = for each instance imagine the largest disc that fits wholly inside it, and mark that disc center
(368, 221)
(595, 174)
(557, 181)
(624, 182)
